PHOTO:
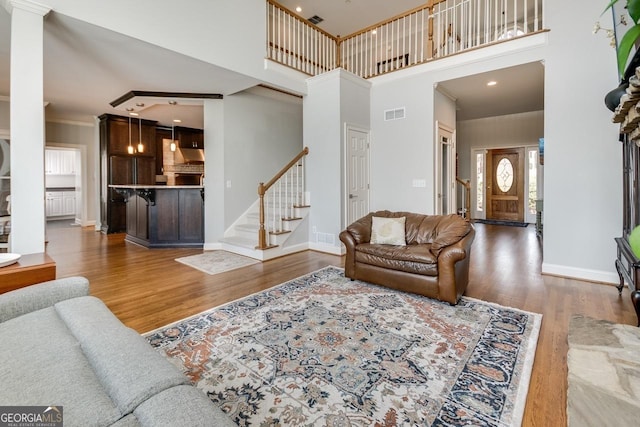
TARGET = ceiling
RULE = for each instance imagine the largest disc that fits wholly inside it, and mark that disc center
(344, 17)
(517, 90)
(86, 67)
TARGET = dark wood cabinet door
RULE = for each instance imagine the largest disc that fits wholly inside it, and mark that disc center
(118, 135)
(190, 138)
(191, 216)
(120, 170)
(165, 220)
(145, 171)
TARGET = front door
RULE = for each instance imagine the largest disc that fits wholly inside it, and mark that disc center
(357, 172)
(505, 184)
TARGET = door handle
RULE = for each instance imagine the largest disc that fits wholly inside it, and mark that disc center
(353, 196)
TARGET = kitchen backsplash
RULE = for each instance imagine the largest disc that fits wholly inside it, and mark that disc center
(53, 181)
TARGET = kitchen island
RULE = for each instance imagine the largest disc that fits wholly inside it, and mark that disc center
(161, 216)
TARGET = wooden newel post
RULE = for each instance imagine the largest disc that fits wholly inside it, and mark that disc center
(262, 233)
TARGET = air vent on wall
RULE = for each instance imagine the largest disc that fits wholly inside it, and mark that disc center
(315, 20)
(395, 114)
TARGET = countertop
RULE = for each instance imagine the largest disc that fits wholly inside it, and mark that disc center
(158, 187)
(53, 189)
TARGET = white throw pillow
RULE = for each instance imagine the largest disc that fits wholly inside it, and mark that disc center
(388, 231)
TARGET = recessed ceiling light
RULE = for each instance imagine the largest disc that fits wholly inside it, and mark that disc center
(177, 121)
(492, 83)
(139, 104)
(173, 102)
(374, 32)
(133, 114)
(298, 9)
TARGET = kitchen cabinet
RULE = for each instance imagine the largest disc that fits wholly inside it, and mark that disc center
(53, 203)
(68, 203)
(118, 167)
(60, 162)
(161, 216)
(189, 137)
(60, 203)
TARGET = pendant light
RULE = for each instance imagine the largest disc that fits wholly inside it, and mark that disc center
(173, 138)
(130, 147)
(140, 146)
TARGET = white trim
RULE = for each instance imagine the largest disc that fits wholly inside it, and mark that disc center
(437, 170)
(329, 249)
(28, 6)
(212, 246)
(580, 273)
(342, 73)
(72, 122)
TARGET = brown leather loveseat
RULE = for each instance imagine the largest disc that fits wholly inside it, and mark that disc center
(434, 262)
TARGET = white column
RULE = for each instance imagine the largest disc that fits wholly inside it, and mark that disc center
(27, 127)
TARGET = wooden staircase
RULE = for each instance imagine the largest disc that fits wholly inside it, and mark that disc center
(263, 230)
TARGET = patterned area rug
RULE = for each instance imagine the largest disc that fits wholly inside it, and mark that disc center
(214, 262)
(324, 350)
(604, 374)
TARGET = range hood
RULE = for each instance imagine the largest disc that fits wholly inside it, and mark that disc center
(189, 156)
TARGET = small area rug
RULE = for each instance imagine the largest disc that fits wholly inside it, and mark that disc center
(322, 350)
(501, 222)
(214, 262)
(604, 374)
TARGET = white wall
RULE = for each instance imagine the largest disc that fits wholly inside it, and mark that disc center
(513, 130)
(4, 115)
(213, 115)
(334, 100)
(263, 132)
(583, 174)
(208, 30)
(405, 148)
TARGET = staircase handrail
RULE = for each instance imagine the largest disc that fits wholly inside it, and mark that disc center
(263, 188)
(467, 185)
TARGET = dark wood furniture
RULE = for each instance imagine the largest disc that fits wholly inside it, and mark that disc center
(119, 167)
(29, 270)
(164, 216)
(627, 264)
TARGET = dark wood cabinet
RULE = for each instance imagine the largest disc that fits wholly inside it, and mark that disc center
(164, 217)
(627, 263)
(119, 167)
(189, 137)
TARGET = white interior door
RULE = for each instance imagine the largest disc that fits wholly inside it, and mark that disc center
(445, 172)
(357, 173)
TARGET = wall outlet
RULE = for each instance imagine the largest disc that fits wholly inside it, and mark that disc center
(419, 183)
(228, 183)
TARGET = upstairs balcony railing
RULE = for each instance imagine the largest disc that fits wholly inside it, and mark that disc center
(438, 29)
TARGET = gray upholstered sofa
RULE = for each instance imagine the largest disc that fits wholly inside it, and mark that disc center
(61, 347)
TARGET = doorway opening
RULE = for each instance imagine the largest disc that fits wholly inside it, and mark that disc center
(63, 186)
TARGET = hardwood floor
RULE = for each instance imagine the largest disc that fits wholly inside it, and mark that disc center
(146, 289)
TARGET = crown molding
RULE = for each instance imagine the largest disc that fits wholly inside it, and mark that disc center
(27, 5)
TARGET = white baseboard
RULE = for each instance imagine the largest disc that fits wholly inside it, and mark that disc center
(86, 223)
(212, 246)
(329, 249)
(581, 273)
